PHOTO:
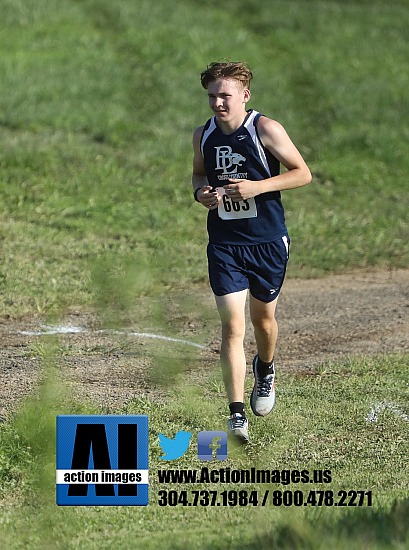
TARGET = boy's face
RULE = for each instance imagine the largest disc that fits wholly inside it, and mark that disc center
(227, 99)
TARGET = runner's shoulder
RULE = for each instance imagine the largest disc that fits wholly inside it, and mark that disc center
(269, 125)
(197, 134)
(270, 131)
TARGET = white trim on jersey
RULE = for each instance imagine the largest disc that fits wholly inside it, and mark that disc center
(251, 128)
(206, 133)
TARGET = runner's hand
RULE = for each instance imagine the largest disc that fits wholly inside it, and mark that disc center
(208, 197)
(240, 190)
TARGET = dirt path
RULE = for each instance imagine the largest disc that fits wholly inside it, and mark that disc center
(345, 315)
(320, 320)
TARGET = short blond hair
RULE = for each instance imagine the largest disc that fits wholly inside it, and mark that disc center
(234, 70)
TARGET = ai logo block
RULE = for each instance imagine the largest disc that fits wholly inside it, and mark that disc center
(210, 442)
(102, 460)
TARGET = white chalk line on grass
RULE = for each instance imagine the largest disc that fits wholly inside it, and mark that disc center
(378, 409)
(61, 329)
(157, 337)
(52, 330)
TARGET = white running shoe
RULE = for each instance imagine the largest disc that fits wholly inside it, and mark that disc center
(238, 427)
(263, 396)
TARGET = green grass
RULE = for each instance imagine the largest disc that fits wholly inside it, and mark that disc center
(98, 103)
(320, 423)
(97, 107)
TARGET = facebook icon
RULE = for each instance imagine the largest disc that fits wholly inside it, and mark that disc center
(207, 442)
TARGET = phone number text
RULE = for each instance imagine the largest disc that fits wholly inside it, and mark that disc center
(268, 497)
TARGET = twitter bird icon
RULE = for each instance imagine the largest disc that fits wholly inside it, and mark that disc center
(174, 448)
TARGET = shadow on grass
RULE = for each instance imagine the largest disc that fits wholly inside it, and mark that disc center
(360, 528)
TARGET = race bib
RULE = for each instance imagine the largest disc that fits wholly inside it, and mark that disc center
(229, 210)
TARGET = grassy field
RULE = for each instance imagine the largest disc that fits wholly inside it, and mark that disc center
(98, 103)
(322, 423)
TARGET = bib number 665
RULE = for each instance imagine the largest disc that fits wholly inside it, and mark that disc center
(230, 210)
(230, 205)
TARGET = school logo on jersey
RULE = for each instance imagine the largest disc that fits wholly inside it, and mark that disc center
(229, 162)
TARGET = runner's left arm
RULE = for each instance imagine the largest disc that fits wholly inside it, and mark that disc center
(276, 140)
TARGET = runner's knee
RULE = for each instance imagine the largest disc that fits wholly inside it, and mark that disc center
(265, 324)
(233, 328)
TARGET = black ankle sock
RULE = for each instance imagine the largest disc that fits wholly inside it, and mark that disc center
(237, 407)
(263, 369)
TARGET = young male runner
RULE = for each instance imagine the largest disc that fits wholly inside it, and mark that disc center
(236, 176)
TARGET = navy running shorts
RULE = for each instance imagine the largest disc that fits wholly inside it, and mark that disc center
(260, 268)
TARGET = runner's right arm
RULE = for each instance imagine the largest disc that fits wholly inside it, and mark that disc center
(206, 195)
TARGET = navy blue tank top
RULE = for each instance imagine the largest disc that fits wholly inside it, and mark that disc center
(241, 155)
